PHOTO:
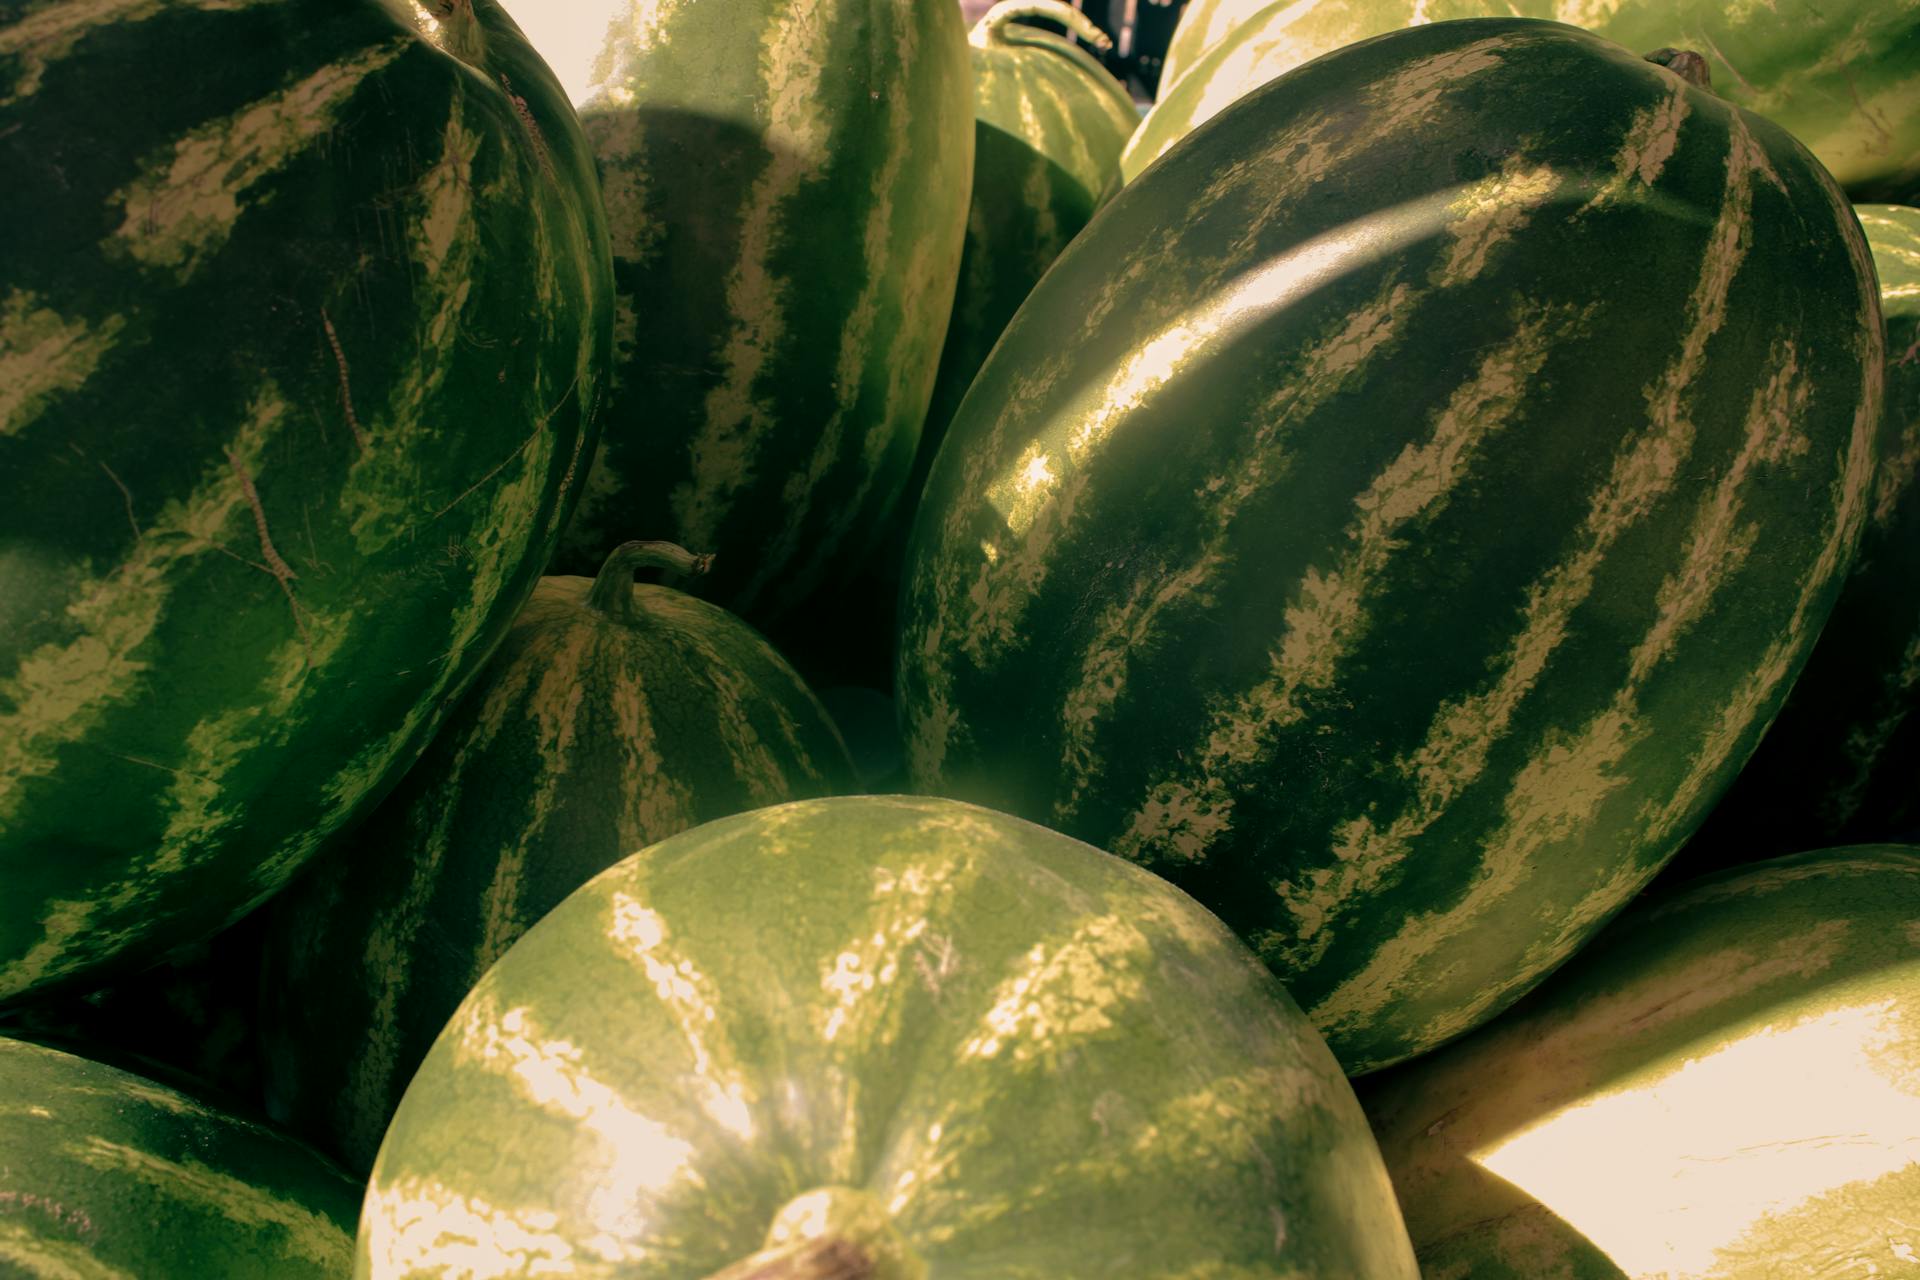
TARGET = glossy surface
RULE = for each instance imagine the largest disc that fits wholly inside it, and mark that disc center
(297, 360)
(106, 1176)
(1025, 1059)
(1842, 77)
(1725, 1085)
(591, 733)
(1842, 758)
(786, 187)
(1425, 525)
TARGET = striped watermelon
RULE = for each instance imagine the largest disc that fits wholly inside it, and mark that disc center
(613, 715)
(1453, 470)
(1843, 76)
(304, 312)
(1841, 761)
(1048, 126)
(786, 187)
(918, 1037)
(1722, 1087)
(107, 1176)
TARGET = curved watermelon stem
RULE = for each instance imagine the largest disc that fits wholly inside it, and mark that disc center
(612, 590)
(989, 28)
(1685, 63)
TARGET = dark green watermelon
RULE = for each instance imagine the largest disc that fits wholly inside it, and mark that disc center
(304, 319)
(1464, 440)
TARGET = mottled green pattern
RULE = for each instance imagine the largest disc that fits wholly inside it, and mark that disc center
(786, 187)
(299, 359)
(1841, 762)
(104, 1174)
(1843, 77)
(1426, 520)
(585, 738)
(1724, 1086)
(1043, 1063)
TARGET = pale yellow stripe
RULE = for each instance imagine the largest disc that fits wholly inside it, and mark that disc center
(689, 999)
(44, 354)
(182, 211)
(735, 416)
(420, 1227)
(881, 256)
(633, 1157)
(1327, 619)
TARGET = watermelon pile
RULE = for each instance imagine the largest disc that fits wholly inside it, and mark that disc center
(777, 640)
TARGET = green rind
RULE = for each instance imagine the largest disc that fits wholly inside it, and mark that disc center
(786, 184)
(1384, 563)
(1843, 77)
(1725, 1084)
(299, 360)
(1048, 127)
(1840, 762)
(585, 738)
(104, 1174)
(1040, 1061)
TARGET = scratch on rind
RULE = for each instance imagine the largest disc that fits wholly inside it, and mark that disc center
(282, 571)
(126, 496)
(346, 388)
(1714, 49)
(1878, 123)
(523, 446)
(164, 768)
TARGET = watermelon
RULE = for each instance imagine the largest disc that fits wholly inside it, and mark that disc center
(105, 1175)
(1839, 764)
(612, 716)
(917, 1036)
(1049, 123)
(786, 186)
(1466, 440)
(299, 359)
(1721, 1087)
(1048, 126)
(1842, 77)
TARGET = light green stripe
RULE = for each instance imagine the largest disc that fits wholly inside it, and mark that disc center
(302, 1232)
(46, 1258)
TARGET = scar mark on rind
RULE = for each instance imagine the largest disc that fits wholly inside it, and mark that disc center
(346, 388)
(126, 495)
(524, 445)
(534, 135)
(282, 571)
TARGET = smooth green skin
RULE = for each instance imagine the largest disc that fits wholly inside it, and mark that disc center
(786, 186)
(288, 434)
(108, 1176)
(588, 735)
(1838, 765)
(1027, 1058)
(1333, 575)
(1048, 126)
(1842, 77)
(1732, 961)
